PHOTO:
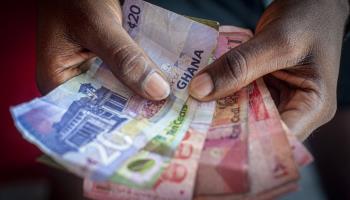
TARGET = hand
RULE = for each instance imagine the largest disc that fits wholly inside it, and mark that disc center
(297, 49)
(71, 32)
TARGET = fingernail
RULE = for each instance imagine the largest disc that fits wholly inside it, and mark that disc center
(156, 87)
(201, 85)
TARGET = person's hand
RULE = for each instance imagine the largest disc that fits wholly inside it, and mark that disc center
(297, 48)
(72, 32)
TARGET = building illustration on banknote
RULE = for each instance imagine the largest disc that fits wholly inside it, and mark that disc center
(96, 113)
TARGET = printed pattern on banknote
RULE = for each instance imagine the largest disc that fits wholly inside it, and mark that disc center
(224, 161)
(93, 123)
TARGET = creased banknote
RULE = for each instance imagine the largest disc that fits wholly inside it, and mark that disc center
(177, 181)
(273, 150)
(224, 159)
(127, 147)
(92, 124)
(270, 156)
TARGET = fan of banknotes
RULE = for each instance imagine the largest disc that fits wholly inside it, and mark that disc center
(127, 147)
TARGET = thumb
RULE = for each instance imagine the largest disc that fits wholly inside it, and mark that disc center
(127, 61)
(242, 65)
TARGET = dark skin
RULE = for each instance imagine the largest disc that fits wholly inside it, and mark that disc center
(296, 49)
(72, 32)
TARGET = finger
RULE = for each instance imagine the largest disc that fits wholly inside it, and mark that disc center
(301, 108)
(56, 67)
(128, 62)
(306, 112)
(133, 67)
(259, 56)
(300, 122)
(58, 58)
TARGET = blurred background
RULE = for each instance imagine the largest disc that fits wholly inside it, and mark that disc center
(22, 177)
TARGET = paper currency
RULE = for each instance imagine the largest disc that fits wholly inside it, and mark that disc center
(224, 159)
(271, 160)
(161, 148)
(272, 168)
(271, 172)
(177, 180)
(92, 124)
(127, 147)
(301, 155)
(156, 180)
(210, 182)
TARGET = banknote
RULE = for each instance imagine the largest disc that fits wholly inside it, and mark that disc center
(272, 168)
(301, 155)
(209, 173)
(92, 124)
(157, 145)
(128, 147)
(208, 22)
(271, 161)
(224, 159)
(177, 180)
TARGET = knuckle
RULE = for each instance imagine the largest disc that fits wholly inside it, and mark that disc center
(287, 43)
(235, 66)
(120, 54)
(291, 42)
(124, 59)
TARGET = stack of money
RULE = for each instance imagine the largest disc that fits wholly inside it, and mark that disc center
(127, 147)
